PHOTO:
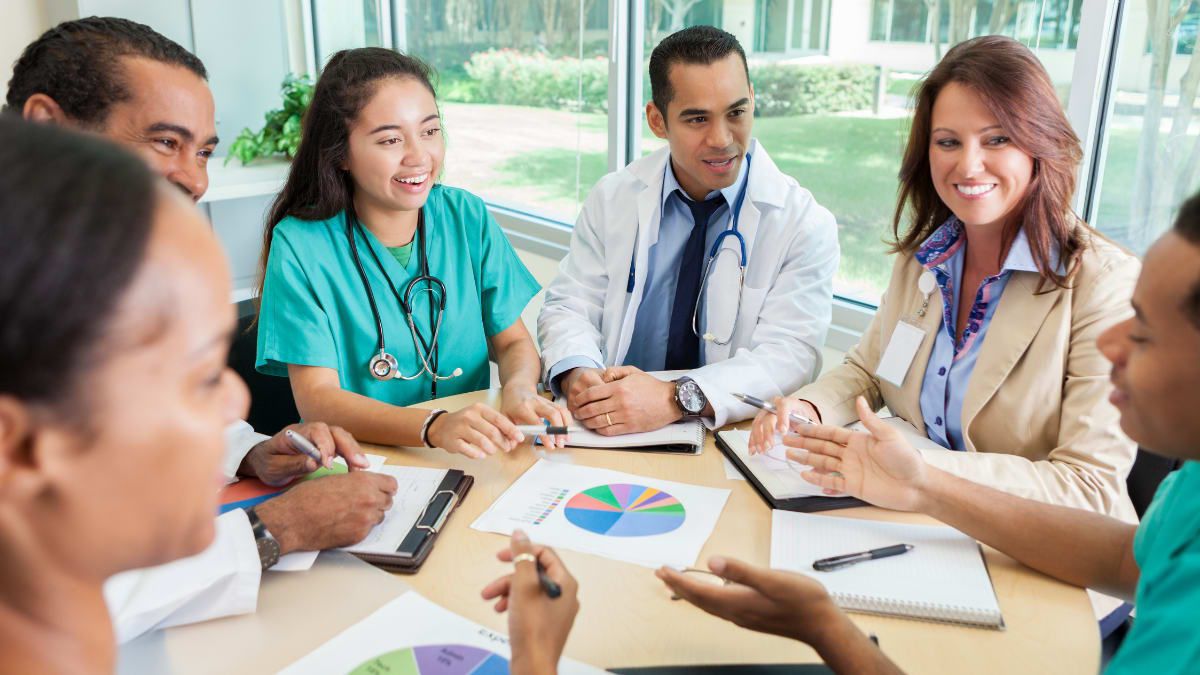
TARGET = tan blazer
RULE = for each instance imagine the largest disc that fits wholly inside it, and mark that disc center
(1036, 416)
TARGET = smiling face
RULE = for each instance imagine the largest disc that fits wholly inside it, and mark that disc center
(395, 147)
(707, 123)
(977, 169)
(168, 121)
(126, 488)
(1156, 354)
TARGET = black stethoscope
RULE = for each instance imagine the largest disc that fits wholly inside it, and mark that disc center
(383, 366)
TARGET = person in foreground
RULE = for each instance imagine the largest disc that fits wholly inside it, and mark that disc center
(381, 288)
(1155, 360)
(999, 291)
(120, 308)
(654, 278)
(138, 88)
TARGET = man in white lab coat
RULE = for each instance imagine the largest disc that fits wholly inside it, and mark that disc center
(632, 295)
(124, 80)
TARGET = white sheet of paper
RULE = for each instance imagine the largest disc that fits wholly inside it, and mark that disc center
(731, 471)
(413, 635)
(627, 518)
(416, 487)
(900, 352)
(302, 561)
(779, 475)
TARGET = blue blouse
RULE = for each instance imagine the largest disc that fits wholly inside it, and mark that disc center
(952, 361)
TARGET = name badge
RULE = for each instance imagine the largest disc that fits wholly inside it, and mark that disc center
(900, 352)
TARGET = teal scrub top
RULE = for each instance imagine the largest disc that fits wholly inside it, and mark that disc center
(1165, 637)
(315, 310)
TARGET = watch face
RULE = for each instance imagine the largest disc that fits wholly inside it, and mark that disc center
(690, 397)
(268, 551)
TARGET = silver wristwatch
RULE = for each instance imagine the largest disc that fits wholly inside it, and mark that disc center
(268, 545)
(689, 398)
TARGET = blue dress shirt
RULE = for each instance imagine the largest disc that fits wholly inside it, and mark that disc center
(952, 362)
(648, 345)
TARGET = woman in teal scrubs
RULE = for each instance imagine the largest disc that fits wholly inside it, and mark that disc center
(347, 298)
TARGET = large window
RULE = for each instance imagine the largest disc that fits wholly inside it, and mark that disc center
(524, 89)
(1151, 145)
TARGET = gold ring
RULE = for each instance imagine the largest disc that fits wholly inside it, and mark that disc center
(608, 419)
(525, 557)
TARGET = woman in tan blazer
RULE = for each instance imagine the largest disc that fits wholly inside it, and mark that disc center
(1008, 375)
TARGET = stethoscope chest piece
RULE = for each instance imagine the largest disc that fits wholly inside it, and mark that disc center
(384, 366)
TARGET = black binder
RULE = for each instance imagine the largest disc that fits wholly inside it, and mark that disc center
(805, 504)
(416, 546)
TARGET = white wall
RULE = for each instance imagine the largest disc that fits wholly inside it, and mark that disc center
(21, 22)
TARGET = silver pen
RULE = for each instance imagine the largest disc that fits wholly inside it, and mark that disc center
(304, 445)
(544, 430)
(770, 407)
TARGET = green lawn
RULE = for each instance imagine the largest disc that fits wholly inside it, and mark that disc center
(849, 164)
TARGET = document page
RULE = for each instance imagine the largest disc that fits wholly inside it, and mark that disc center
(416, 488)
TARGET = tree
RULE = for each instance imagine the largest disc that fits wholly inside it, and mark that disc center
(1162, 175)
(1003, 11)
(677, 11)
(962, 15)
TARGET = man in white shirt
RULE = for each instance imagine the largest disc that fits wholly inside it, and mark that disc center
(125, 81)
(635, 292)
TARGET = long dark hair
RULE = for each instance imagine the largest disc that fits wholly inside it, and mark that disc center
(1016, 89)
(317, 188)
(78, 214)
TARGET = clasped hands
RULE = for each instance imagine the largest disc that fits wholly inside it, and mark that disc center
(619, 400)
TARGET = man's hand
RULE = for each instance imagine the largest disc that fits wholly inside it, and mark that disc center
(328, 512)
(523, 405)
(879, 467)
(763, 600)
(277, 462)
(628, 401)
(538, 625)
(578, 380)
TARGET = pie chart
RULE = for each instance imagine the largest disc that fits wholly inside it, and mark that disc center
(435, 660)
(625, 510)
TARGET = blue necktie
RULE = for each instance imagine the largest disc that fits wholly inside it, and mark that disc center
(683, 347)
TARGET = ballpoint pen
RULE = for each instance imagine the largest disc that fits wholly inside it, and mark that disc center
(553, 590)
(304, 445)
(836, 562)
(544, 430)
(770, 407)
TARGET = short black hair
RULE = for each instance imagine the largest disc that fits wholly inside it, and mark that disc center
(67, 262)
(1187, 225)
(77, 63)
(699, 44)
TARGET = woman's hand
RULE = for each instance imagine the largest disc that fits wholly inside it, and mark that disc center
(538, 625)
(763, 600)
(766, 425)
(475, 431)
(879, 467)
(523, 405)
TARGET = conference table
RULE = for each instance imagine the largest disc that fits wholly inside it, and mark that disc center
(627, 617)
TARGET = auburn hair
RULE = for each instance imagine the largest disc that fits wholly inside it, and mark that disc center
(1016, 89)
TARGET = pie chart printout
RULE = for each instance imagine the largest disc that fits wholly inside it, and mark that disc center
(435, 660)
(625, 510)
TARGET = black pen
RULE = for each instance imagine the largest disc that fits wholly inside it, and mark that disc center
(836, 562)
(552, 589)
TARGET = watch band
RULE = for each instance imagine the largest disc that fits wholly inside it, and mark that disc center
(433, 415)
(267, 544)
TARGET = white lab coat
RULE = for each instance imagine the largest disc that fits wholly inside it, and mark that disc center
(792, 249)
(221, 581)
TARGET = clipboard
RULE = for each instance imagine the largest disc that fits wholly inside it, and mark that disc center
(803, 504)
(419, 541)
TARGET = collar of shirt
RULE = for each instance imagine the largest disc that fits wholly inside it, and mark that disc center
(670, 185)
(947, 241)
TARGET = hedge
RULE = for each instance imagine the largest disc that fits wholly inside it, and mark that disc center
(514, 77)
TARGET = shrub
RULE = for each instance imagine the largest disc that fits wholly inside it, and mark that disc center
(793, 89)
(512, 77)
(518, 78)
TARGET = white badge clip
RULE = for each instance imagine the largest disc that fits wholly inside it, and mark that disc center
(906, 339)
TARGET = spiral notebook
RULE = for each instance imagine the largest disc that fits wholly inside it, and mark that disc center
(685, 437)
(943, 578)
